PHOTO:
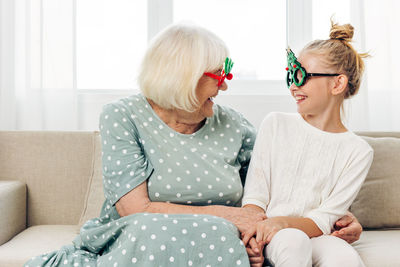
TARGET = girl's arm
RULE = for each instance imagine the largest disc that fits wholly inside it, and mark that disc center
(268, 228)
(265, 230)
(257, 186)
(344, 192)
(320, 220)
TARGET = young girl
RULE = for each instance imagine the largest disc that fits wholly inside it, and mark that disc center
(307, 168)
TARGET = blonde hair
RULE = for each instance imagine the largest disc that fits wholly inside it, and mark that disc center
(175, 61)
(340, 56)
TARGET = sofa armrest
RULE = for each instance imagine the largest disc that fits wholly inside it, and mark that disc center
(12, 209)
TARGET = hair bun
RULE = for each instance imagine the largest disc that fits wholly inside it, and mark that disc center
(341, 32)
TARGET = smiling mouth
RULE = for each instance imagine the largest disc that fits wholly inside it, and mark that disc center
(300, 98)
(211, 98)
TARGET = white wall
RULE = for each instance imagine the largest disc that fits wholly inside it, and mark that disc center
(256, 107)
(253, 107)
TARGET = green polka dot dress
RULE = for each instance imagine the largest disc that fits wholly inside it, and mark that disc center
(203, 168)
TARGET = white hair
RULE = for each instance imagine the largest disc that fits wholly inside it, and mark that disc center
(175, 61)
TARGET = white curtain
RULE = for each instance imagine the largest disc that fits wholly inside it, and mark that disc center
(382, 39)
(37, 66)
(38, 69)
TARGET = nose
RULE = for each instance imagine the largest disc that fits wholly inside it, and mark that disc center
(223, 86)
(293, 88)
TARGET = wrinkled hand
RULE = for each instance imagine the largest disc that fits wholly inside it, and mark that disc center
(244, 218)
(264, 231)
(348, 228)
(255, 253)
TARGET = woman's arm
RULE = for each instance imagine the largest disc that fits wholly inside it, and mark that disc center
(137, 201)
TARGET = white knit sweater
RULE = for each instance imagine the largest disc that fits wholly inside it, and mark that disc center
(299, 170)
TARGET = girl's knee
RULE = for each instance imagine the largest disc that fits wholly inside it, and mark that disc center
(332, 251)
(290, 247)
(291, 241)
(294, 237)
(345, 258)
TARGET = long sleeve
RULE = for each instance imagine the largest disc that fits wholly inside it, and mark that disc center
(300, 171)
(257, 186)
(343, 193)
(246, 150)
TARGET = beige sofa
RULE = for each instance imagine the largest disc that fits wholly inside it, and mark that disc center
(50, 183)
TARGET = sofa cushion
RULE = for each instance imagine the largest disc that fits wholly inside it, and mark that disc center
(379, 248)
(34, 241)
(378, 203)
(12, 209)
(55, 166)
(94, 196)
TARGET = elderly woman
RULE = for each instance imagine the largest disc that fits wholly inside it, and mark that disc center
(173, 167)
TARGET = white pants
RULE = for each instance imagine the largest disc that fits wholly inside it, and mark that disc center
(292, 247)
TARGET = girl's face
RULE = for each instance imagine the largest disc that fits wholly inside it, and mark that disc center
(314, 96)
(206, 90)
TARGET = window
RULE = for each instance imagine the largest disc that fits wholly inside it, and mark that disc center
(339, 9)
(90, 50)
(253, 30)
(111, 38)
(112, 35)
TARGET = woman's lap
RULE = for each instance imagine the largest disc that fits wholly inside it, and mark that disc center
(149, 239)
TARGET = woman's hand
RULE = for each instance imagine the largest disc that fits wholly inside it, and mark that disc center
(255, 252)
(242, 218)
(348, 228)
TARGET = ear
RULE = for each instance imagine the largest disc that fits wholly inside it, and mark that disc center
(340, 85)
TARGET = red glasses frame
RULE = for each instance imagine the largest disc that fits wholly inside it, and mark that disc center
(221, 78)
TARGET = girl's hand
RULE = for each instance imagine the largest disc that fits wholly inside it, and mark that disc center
(348, 228)
(268, 228)
(255, 252)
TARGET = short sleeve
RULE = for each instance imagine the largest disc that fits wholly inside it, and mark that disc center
(124, 163)
(257, 186)
(345, 191)
(248, 139)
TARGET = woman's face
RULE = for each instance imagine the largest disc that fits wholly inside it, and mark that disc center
(206, 90)
(313, 97)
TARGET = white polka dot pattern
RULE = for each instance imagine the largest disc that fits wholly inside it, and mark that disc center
(202, 168)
